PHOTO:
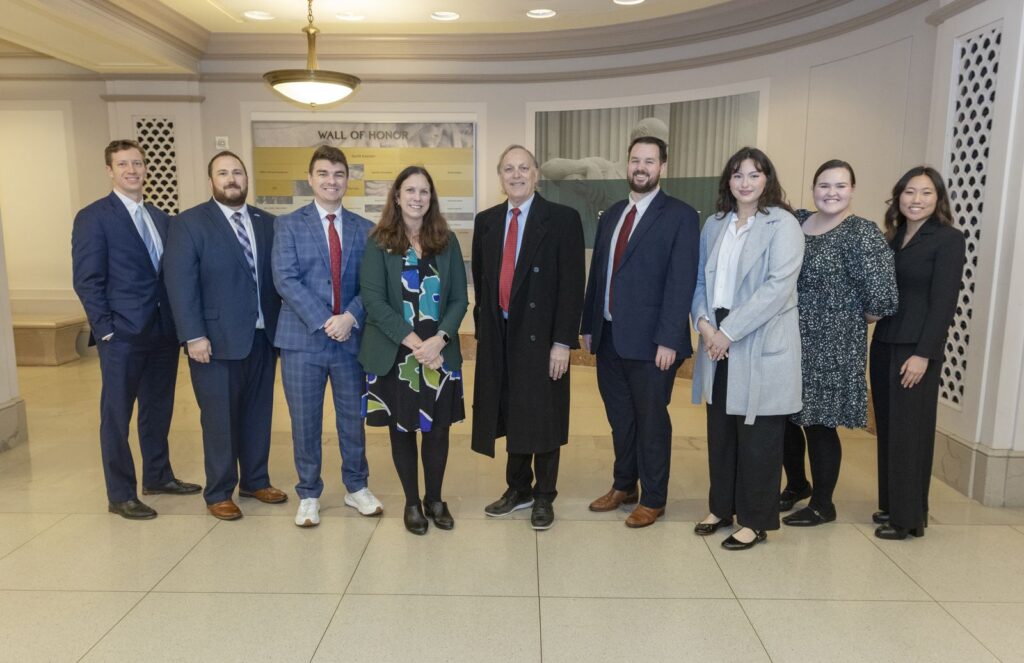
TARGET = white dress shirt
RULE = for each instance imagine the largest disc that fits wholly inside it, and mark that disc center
(728, 261)
(327, 235)
(641, 206)
(131, 205)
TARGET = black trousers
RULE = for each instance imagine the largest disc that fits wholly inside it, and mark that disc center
(744, 461)
(521, 470)
(434, 450)
(905, 419)
(826, 454)
(236, 401)
(636, 395)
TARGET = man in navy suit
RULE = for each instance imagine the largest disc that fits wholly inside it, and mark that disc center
(217, 271)
(317, 252)
(116, 251)
(643, 273)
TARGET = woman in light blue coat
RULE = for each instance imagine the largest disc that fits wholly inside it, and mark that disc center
(747, 368)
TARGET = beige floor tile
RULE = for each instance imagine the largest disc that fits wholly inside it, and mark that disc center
(493, 558)
(963, 562)
(997, 625)
(219, 627)
(671, 630)
(595, 559)
(827, 562)
(857, 631)
(426, 629)
(271, 555)
(18, 528)
(103, 552)
(973, 513)
(57, 626)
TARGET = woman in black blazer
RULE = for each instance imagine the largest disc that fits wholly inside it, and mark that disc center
(908, 348)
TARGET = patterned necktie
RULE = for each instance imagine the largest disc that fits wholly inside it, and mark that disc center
(335, 242)
(243, 239)
(620, 248)
(508, 262)
(147, 238)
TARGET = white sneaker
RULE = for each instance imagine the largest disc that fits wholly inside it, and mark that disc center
(364, 502)
(309, 513)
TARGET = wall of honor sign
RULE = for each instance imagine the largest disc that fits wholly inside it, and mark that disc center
(376, 153)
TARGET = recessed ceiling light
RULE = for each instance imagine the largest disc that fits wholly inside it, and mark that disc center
(253, 15)
(445, 16)
(349, 16)
(541, 13)
(627, 2)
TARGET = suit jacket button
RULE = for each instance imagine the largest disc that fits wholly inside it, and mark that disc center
(533, 305)
(536, 269)
(533, 337)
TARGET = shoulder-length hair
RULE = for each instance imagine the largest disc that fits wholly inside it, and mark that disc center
(390, 231)
(772, 196)
(943, 213)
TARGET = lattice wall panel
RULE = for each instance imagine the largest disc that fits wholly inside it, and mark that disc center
(977, 69)
(156, 136)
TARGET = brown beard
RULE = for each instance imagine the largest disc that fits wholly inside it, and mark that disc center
(231, 200)
(652, 182)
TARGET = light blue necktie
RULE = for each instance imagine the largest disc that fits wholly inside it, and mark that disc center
(147, 238)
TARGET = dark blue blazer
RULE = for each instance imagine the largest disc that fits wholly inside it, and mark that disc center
(113, 274)
(210, 285)
(654, 283)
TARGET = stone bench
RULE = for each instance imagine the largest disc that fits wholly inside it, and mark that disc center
(46, 333)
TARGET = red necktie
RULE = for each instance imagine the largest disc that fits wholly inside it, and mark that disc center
(620, 248)
(335, 242)
(508, 262)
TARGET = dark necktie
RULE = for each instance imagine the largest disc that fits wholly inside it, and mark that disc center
(335, 242)
(508, 262)
(620, 249)
(243, 239)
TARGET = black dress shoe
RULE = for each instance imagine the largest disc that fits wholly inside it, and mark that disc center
(172, 487)
(732, 543)
(543, 515)
(788, 498)
(893, 533)
(414, 519)
(439, 513)
(880, 517)
(808, 517)
(511, 501)
(706, 529)
(132, 510)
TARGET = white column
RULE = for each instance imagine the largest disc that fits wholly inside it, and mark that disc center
(13, 422)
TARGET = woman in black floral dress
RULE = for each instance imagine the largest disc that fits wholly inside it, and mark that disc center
(847, 280)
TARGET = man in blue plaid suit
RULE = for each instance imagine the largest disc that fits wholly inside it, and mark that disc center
(317, 252)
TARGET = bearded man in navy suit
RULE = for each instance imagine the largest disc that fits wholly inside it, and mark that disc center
(116, 257)
(225, 309)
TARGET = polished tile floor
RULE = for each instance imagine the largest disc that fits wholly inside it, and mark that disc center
(79, 584)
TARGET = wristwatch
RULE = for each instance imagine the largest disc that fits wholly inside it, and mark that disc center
(445, 337)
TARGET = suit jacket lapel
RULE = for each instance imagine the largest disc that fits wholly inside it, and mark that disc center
(262, 238)
(533, 234)
(757, 242)
(650, 217)
(316, 228)
(349, 238)
(223, 229)
(711, 264)
(495, 246)
(125, 219)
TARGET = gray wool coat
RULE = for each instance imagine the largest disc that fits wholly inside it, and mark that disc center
(764, 358)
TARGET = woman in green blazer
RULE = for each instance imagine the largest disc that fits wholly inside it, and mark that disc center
(413, 285)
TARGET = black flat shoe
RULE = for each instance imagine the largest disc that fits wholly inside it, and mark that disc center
(543, 515)
(706, 529)
(439, 513)
(808, 517)
(893, 533)
(132, 510)
(880, 517)
(788, 498)
(414, 519)
(732, 543)
(172, 487)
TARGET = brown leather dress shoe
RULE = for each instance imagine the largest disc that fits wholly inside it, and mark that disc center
(612, 499)
(226, 510)
(643, 516)
(268, 495)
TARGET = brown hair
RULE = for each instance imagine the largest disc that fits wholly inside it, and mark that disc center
(120, 145)
(390, 231)
(650, 140)
(894, 217)
(224, 153)
(328, 153)
(829, 165)
(772, 196)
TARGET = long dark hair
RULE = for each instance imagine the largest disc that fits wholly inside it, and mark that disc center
(772, 196)
(943, 213)
(390, 231)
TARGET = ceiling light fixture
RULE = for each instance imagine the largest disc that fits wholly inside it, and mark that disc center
(254, 15)
(541, 13)
(311, 86)
(627, 2)
(445, 16)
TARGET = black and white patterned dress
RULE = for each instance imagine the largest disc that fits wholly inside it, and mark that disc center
(847, 272)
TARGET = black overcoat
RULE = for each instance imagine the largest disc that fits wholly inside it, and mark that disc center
(544, 308)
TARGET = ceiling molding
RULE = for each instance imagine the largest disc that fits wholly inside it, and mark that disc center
(158, 20)
(943, 14)
(188, 98)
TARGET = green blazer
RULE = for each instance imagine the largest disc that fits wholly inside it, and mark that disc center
(380, 285)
